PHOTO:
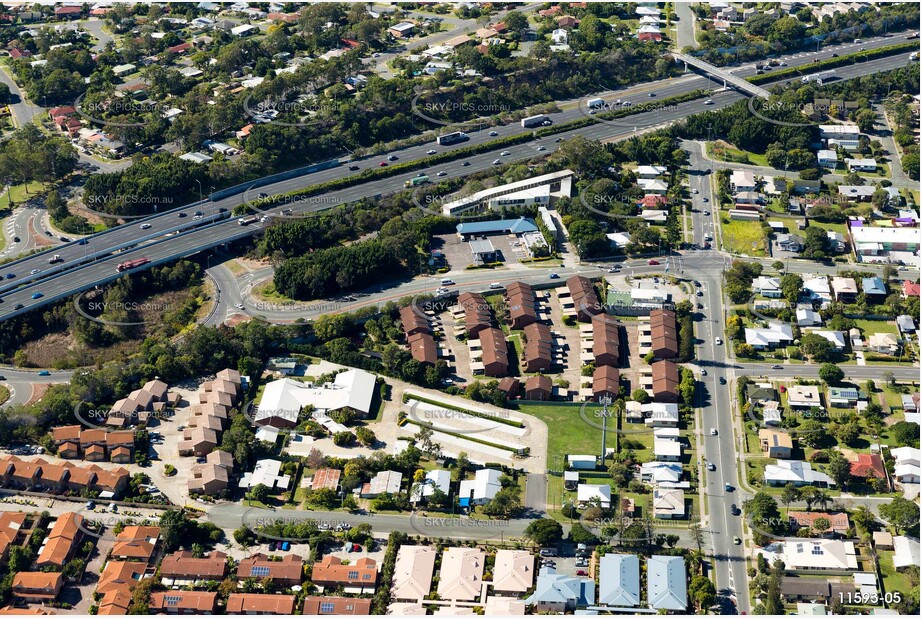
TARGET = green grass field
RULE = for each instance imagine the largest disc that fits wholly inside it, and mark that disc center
(745, 237)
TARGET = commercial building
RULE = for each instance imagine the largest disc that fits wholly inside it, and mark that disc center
(537, 190)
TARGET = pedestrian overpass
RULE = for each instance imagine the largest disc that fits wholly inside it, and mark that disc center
(728, 78)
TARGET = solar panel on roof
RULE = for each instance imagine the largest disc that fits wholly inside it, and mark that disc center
(259, 571)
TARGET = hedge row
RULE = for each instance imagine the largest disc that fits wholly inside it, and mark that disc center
(504, 421)
(832, 63)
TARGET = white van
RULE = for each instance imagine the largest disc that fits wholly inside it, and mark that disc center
(447, 282)
(495, 286)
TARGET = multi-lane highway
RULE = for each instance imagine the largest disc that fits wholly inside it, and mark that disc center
(91, 264)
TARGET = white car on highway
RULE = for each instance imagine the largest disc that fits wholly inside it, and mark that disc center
(505, 153)
(719, 341)
(34, 271)
(146, 226)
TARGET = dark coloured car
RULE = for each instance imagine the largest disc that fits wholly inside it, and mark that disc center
(15, 238)
(182, 215)
(222, 210)
(10, 275)
(353, 167)
(83, 241)
(18, 306)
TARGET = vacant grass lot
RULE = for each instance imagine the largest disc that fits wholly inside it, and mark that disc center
(744, 237)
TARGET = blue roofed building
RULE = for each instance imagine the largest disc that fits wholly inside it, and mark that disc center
(874, 288)
(555, 592)
(619, 581)
(666, 583)
(521, 225)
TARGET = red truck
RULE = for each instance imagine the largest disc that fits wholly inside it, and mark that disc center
(131, 264)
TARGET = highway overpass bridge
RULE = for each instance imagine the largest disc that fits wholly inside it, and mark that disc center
(728, 78)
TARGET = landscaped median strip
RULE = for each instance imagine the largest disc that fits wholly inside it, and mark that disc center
(505, 421)
(831, 63)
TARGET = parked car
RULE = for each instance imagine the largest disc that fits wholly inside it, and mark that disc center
(285, 546)
(273, 546)
(554, 276)
(581, 573)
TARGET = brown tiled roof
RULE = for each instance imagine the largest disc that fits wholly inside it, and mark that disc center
(605, 342)
(93, 436)
(341, 606)
(539, 383)
(521, 304)
(120, 575)
(115, 603)
(194, 601)
(64, 533)
(606, 379)
(37, 584)
(665, 378)
(495, 352)
(183, 565)
(477, 313)
(584, 297)
(413, 322)
(289, 569)
(68, 433)
(251, 603)
(229, 374)
(509, 386)
(142, 397)
(839, 521)
(157, 388)
(538, 347)
(330, 570)
(423, 348)
(120, 438)
(664, 333)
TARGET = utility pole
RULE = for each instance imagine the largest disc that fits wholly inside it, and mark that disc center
(605, 401)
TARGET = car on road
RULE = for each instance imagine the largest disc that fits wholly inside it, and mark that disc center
(239, 306)
(505, 153)
(44, 372)
(703, 372)
(441, 291)
(696, 284)
(431, 152)
(711, 466)
(83, 241)
(708, 102)
(834, 55)
(382, 164)
(728, 486)
(392, 158)
(18, 306)
(15, 238)
(541, 148)
(699, 293)
(713, 431)
(34, 271)
(447, 282)
(734, 509)
(722, 380)
(493, 133)
(718, 341)
(64, 239)
(776, 366)
(699, 306)
(262, 196)
(695, 191)
(37, 295)
(559, 139)
(442, 173)
(182, 215)
(705, 200)
(497, 162)
(582, 573)
(10, 275)
(651, 94)
(353, 168)
(465, 163)
(706, 213)
(736, 540)
(653, 262)
(783, 64)
(495, 286)
(90, 505)
(554, 276)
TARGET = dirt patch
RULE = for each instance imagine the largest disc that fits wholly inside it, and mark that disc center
(38, 391)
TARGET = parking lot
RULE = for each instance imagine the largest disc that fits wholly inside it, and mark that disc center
(458, 255)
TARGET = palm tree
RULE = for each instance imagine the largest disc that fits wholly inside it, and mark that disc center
(821, 498)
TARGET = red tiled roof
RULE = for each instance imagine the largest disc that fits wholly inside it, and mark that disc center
(867, 465)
